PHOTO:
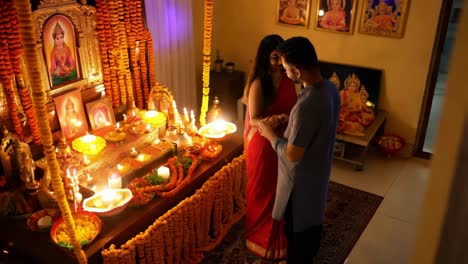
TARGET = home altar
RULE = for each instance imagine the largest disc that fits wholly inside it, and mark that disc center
(121, 228)
(360, 119)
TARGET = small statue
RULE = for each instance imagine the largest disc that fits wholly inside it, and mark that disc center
(26, 165)
(64, 153)
(162, 98)
(215, 111)
(7, 149)
(355, 114)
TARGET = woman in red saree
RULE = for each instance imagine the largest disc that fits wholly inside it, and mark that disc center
(269, 92)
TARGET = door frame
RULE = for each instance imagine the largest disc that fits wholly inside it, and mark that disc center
(442, 25)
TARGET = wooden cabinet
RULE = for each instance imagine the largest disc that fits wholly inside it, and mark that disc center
(228, 87)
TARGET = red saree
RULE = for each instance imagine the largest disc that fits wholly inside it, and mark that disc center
(262, 174)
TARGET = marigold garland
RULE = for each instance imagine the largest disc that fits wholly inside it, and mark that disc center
(7, 62)
(39, 96)
(182, 234)
(207, 28)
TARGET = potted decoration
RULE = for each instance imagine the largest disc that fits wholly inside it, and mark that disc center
(390, 144)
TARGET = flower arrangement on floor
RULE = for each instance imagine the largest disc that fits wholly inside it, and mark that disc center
(390, 144)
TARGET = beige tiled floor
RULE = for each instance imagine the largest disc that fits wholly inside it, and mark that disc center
(402, 182)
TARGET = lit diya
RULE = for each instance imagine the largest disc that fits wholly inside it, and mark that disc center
(108, 202)
(89, 144)
(211, 149)
(115, 136)
(217, 129)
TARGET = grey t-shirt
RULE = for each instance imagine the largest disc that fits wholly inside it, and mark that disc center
(312, 126)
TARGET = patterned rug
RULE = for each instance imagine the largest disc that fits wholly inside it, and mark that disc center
(347, 214)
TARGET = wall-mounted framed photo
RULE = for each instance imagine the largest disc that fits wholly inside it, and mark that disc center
(71, 114)
(384, 17)
(68, 46)
(60, 51)
(293, 13)
(100, 114)
(335, 16)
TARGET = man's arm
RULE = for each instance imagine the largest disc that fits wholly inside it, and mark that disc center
(291, 152)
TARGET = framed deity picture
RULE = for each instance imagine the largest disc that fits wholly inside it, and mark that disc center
(384, 17)
(100, 114)
(335, 16)
(71, 114)
(293, 13)
(60, 51)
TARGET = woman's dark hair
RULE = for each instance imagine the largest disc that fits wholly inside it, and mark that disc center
(300, 52)
(261, 67)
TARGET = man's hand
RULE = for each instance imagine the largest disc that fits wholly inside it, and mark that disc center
(266, 130)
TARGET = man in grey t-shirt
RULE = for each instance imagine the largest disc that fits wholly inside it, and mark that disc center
(305, 151)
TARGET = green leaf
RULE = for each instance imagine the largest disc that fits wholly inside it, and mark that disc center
(154, 179)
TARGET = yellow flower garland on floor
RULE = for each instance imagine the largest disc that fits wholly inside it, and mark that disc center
(39, 96)
(207, 28)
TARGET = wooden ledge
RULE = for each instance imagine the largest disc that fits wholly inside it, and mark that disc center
(369, 131)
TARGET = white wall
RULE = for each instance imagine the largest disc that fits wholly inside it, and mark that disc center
(240, 25)
(447, 152)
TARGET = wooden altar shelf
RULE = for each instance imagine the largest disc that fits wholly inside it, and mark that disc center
(120, 228)
(354, 148)
(196, 225)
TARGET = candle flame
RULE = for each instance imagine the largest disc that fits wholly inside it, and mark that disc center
(107, 195)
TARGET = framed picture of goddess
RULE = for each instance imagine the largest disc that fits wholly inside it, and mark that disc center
(100, 114)
(293, 13)
(335, 16)
(384, 17)
(71, 115)
(60, 51)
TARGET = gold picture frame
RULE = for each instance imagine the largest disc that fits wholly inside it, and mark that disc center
(71, 114)
(79, 25)
(335, 16)
(384, 17)
(100, 114)
(59, 47)
(293, 13)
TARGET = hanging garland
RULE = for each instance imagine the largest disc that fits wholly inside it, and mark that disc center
(121, 33)
(39, 95)
(119, 93)
(6, 65)
(23, 88)
(102, 27)
(134, 28)
(152, 62)
(207, 28)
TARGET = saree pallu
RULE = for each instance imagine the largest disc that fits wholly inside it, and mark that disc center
(262, 171)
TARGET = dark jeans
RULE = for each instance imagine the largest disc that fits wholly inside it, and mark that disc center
(302, 246)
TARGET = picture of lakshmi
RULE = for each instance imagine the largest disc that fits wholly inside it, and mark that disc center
(384, 19)
(62, 63)
(291, 13)
(355, 113)
(335, 18)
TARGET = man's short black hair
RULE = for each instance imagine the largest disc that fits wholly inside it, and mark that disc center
(300, 52)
